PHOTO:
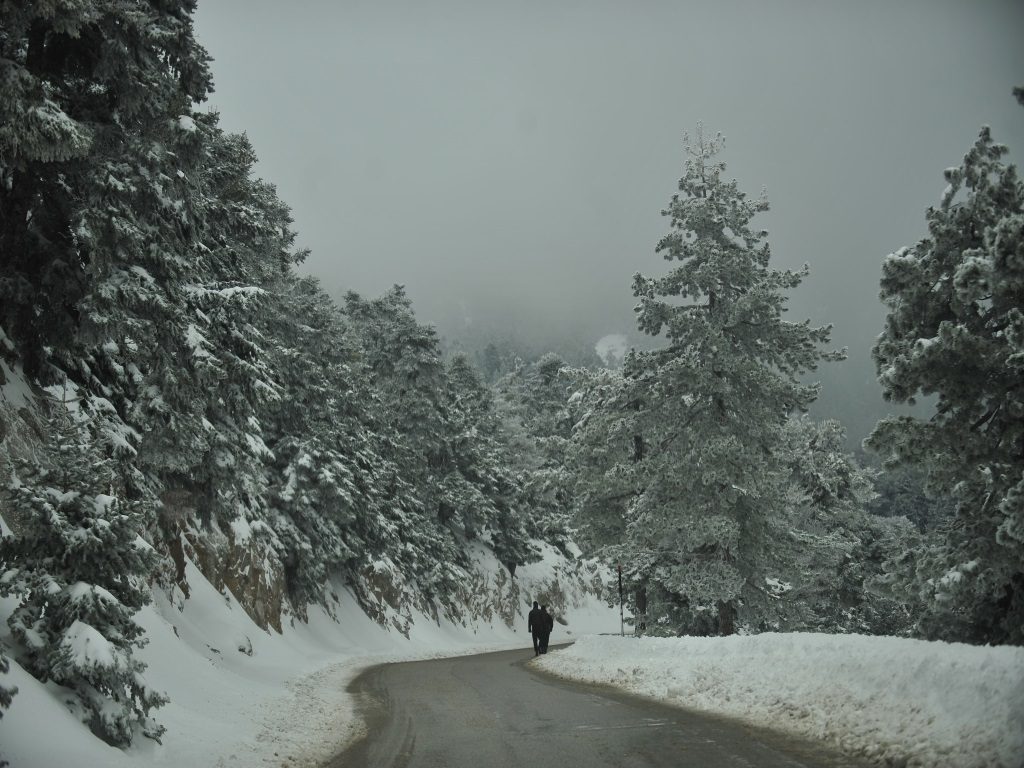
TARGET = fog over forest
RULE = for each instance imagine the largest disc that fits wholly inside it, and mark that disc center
(508, 162)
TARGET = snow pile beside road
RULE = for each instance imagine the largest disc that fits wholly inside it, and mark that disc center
(892, 700)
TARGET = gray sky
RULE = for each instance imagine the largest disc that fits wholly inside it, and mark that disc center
(508, 162)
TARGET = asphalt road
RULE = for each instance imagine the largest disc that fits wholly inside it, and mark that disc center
(494, 711)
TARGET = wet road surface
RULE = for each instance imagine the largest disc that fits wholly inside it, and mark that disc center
(494, 711)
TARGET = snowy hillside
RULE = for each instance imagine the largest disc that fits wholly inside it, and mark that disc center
(241, 695)
(895, 701)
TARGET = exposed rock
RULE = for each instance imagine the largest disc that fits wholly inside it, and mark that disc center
(233, 557)
(255, 577)
(386, 598)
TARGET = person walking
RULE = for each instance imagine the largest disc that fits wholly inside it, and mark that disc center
(535, 625)
(547, 623)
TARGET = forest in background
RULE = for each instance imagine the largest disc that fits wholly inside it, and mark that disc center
(201, 399)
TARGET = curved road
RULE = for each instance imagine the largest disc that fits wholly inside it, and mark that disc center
(494, 711)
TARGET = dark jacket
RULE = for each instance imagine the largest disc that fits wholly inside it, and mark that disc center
(535, 621)
(546, 622)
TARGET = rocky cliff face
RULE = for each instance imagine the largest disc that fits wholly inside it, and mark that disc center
(233, 556)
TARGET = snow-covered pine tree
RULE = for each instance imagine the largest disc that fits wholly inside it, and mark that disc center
(901, 493)
(837, 550)
(403, 358)
(699, 418)
(486, 494)
(79, 570)
(95, 219)
(448, 481)
(82, 84)
(327, 476)
(955, 331)
(535, 424)
(460, 463)
(402, 361)
(242, 242)
(603, 424)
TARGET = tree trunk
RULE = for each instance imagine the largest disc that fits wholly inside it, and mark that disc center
(638, 448)
(726, 617)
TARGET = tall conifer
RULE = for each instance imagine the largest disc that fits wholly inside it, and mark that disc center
(700, 417)
(955, 331)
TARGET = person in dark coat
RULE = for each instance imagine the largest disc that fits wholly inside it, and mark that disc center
(547, 623)
(535, 624)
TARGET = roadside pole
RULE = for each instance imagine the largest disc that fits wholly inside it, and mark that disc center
(622, 620)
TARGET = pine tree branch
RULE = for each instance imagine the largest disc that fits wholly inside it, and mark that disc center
(987, 417)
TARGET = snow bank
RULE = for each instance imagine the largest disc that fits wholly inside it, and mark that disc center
(895, 701)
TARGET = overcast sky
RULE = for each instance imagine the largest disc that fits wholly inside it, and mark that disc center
(508, 162)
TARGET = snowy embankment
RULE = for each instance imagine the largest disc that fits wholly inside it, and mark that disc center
(243, 696)
(895, 701)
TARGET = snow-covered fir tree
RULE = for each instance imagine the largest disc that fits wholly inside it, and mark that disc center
(329, 479)
(84, 86)
(244, 244)
(97, 219)
(838, 550)
(78, 568)
(955, 331)
(482, 488)
(96, 148)
(451, 485)
(402, 360)
(901, 493)
(535, 419)
(695, 423)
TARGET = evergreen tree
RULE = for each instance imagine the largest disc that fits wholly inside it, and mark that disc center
(454, 486)
(698, 419)
(901, 493)
(242, 244)
(402, 361)
(955, 330)
(604, 428)
(327, 476)
(486, 492)
(79, 570)
(89, 90)
(841, 549)
(535, 421)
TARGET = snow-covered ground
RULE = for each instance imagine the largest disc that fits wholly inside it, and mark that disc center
(897, 702)
(241, 696)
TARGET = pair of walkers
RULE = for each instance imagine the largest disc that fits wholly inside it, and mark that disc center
(540, 623)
